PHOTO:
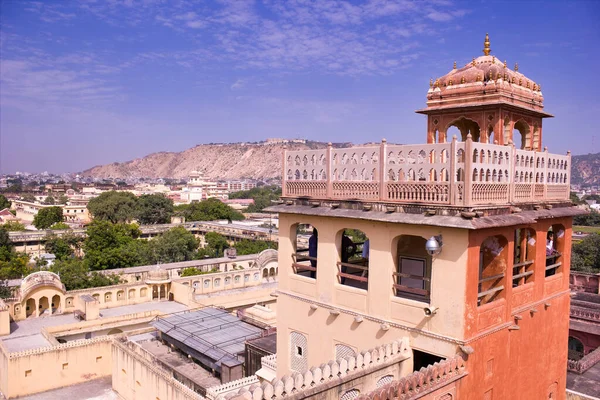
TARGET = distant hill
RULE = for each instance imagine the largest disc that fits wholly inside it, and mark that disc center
(217, 161)
(586, 169)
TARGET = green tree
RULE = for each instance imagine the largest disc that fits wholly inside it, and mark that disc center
(47, 217)
(49, 200)
(114, 207)
(13, 226)
(176, 244)
(5, 291)
(60, 226)
(192, 271)
(154, 209)
(245, 246)
(215, 244)
(4, 203)
(586, 254)
(262, 197)
(62, 199)
(75, 275)
(15, 266)
(28, 197)
(109, 246)
(591, 219)
(65, 246)
(208, 210)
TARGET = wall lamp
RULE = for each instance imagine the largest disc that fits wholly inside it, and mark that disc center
(434, 245)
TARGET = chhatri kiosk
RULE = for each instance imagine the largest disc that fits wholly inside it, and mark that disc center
(462, 245)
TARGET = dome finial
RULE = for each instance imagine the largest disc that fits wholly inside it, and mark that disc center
(486, 45)
(516, 67)
(454, 65)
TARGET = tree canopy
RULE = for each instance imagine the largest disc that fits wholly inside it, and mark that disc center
(13, 226)
(109, 246)
(60, 226)
(208, 210)
(13, 265)
(114, 207)
(215, 244)
(47, 217)
(245, 246)
(262, 196)
(4, 203)
(75, 275)
(591, 219)
(28, 197)
(176, 244)
(65, 246)
(154, 209)
(49, 200)
(586, 254)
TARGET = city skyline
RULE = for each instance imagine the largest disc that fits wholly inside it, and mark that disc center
(87, 83)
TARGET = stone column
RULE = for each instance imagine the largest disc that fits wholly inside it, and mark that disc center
(37, 307)
(284, 171)
(468, 167)
(452, 181)
(382, 170)
(328, 170)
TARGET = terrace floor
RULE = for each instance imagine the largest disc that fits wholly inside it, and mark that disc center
(97, 389)
(26, 334)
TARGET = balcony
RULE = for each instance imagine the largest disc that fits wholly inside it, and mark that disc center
(461, 174)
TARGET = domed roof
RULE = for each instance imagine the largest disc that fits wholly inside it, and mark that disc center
(485, 75)
(39, 279)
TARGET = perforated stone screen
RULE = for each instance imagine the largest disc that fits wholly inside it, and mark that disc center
(298, 352)
(343, 351)
(350, 394)
(385, 380)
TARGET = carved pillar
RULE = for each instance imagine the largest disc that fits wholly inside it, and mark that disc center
(468, 168)
(511, 174)
(382, 166)
(328, 171)
(37, 307)
(452, 178)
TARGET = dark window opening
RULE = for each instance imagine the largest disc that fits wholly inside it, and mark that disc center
(423, 360)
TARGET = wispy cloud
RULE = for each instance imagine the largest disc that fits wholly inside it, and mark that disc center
(238, 84)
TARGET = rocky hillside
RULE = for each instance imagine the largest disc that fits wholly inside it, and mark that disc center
(216, 161)
(586, 169)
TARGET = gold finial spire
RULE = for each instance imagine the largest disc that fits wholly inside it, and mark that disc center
(454, 64)
(431, 83)
(473, 62)
(486, 45)
(517, 67)
(504, 63)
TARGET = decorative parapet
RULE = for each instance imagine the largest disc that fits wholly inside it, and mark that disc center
(585, 363)
(3, 305)
(234, 386)
(62, 346)
(422, 382)
(340, 371)
(585, 314)
(457, 173)
(269, 361)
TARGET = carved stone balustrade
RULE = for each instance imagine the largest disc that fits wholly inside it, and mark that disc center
(462, 174)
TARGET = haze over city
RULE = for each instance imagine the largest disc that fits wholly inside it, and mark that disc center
(93, 82)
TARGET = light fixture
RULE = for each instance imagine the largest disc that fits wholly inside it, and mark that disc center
(430, 311)
(434, 245)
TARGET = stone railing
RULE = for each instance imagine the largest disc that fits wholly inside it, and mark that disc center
(585, 313)
(269, 361)
(421, 382)
(456, 173)
(585, 363)
(233, 386)
(340, 371)
(68, 345)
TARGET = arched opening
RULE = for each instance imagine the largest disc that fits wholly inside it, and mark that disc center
(412, 278)
(114, 331)
(29, 308)
(143, 292)
(272, 271)
(131, 293)
(576, 350)
(523, 256)
(492, 269)
(154, 292)
(56, 306)
(343, 351)
(555, 246)
(524, 139)
(163, 292)
(465, 127)
(265, 273)
(108, 297)
(452, 131)
(120, 295)
(490, 135)
(43, 305)
(353, 250)
(305, 239)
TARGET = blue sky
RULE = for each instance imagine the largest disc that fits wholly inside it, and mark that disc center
(96, 81)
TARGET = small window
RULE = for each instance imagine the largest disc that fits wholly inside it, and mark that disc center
(305, 255)
(299, 351)
(555, 242)
(353, 267)
(28, 373)
(413, 279)
(98, 359)
(65, 366)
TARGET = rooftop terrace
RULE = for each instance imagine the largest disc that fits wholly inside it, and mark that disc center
(460, 174)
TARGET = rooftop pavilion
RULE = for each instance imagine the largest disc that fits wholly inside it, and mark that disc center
(481, 172)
